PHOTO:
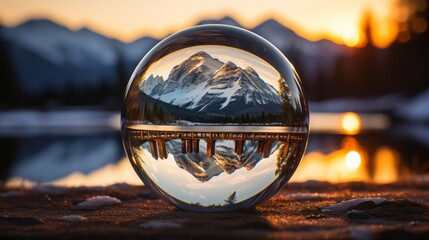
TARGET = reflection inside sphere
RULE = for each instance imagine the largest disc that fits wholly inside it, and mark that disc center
(213, 127)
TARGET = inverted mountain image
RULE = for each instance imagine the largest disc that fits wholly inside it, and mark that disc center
(205, 84)
(204, 167)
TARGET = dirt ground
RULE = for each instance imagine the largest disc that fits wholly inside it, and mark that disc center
(298, 211)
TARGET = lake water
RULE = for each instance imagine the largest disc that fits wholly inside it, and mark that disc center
(77, 155)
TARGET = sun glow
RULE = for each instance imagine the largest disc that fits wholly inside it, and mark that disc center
(353, 160)
(145, 18)
(351, 38)
(351, 123)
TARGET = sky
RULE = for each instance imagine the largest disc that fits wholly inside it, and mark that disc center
(127, 20)
(239, 57)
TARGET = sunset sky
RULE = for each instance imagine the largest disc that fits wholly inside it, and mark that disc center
(337, 20)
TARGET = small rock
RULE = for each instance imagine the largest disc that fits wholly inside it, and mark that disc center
(356, 204)
(97, 202)
(72, 218)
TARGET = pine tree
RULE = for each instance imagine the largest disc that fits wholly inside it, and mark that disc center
(231, 199)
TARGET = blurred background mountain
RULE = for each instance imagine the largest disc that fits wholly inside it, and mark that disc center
(64, 66)
(46, 65)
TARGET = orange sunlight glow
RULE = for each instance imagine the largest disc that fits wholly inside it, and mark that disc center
(128, 20)
(353, 160)
(348, 163)
(332, 167)
(351, 123)
(351, 39)
(386, 165)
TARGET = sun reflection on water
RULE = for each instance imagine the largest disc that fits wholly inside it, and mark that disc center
(353, 160)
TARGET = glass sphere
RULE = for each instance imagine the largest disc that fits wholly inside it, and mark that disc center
(214, 119)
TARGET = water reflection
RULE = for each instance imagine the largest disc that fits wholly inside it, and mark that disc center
(211, 165)
(353, 162)
(348, 163)
(386, 165)
(380, 157)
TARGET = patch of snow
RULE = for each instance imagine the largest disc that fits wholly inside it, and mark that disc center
(228, 93)
(97, 202)
(348, 204)
(160, 224)
(17, 122)
(72, 218)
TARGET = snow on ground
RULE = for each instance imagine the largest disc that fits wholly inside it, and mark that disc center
(97, 202)
(347, 205)
(27, 122)
(72, 218)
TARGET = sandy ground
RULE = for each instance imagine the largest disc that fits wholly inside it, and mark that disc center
(301, 210)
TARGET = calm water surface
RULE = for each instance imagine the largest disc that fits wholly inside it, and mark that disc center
(397, 153)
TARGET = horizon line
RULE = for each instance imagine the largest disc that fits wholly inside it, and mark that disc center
(141, 36)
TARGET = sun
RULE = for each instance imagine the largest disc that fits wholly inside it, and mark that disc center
(351, 38)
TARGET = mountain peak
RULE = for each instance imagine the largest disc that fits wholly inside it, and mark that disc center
(229, 66)
(251, 71)
(226, 20)
(40, 23)
(201, 54)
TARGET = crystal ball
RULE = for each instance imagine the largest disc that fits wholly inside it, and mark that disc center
(214, 119)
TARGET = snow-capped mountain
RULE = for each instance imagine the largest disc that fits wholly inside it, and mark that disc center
(314, 56)
(46, 56)
(206, 84)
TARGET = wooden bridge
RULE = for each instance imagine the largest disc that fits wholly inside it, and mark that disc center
(190, 136)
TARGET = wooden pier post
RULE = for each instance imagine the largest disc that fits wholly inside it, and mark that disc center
(161, 148)
(267, 148)
(239, 147)
(210, 147)
(183, 146)
(188, 146)
(196, 146)
(153, 149)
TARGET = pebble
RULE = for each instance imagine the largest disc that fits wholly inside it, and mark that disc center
(97, 202)
(72, 218)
